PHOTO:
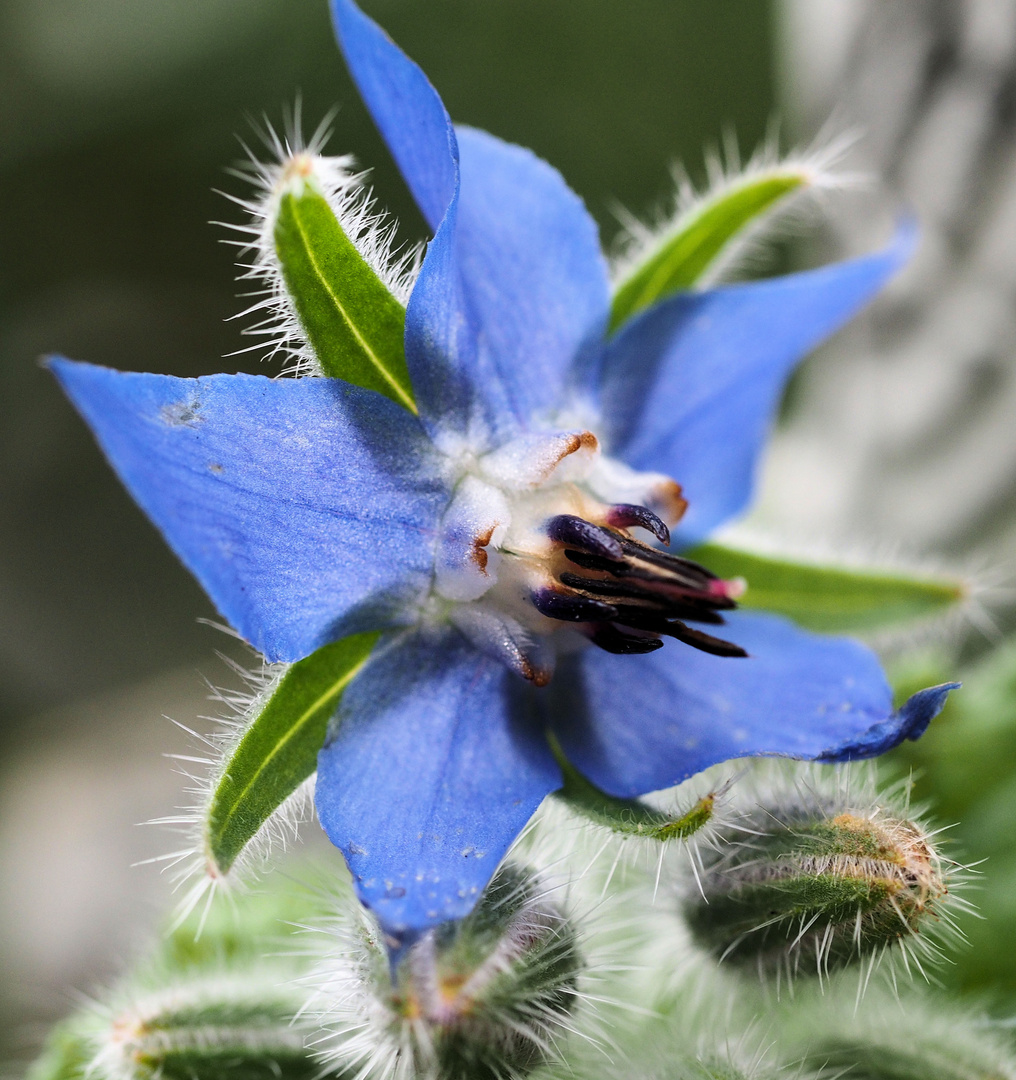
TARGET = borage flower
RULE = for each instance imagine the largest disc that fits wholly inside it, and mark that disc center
(508, 527)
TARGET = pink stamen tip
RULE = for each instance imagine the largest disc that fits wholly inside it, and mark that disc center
(729, 589)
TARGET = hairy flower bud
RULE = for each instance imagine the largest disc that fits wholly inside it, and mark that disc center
(481, 998)
(206, 1028)
(815, 882)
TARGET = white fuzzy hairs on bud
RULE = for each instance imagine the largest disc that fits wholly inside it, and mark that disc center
(131, 1035)
(815, 166)
(294, 160)
(590, 982)
(602, 858)
(786, 796)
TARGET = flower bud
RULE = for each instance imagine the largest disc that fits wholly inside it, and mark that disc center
(817, 882)
(219, 998)
(482, 998)
(201, 1029)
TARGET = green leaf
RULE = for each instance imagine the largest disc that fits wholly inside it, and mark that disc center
(65, 1055)
(700, 236)
(829, 598)
(351, 320)
(627, 816)
(279, 750)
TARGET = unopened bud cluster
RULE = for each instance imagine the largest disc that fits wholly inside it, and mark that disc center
(482, 998)
(810, 883)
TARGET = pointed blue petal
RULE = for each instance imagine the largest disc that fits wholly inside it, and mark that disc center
(512, 288)
(514, 283)
(530, 258)
(432, 771)
(910, 721)
(634, 724)
(406, 108)
(305, 507)
(690, 387)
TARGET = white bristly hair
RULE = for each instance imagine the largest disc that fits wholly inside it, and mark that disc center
(776, 791)
(293, 159)
(193, 867)
(815, 167)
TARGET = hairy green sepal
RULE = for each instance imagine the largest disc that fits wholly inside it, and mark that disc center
(279, 750)
(699, 238)
(351, 320)
(828, 598)
(488, 996)
(812, 895)
(627, 816)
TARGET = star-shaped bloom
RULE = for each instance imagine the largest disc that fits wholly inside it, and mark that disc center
(511, 538)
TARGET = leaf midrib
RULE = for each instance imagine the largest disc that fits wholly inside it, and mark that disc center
(364, 344)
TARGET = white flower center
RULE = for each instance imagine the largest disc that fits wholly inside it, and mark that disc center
(536, 556)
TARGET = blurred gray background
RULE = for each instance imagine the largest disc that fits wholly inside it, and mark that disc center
(117, 118)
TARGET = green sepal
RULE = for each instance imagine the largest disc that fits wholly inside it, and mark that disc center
(351, 320)
(699, 237)
(630, 817)
(831, 890)
(917, 1061)
(487, 997)
(279, 750)
(225, 1040)
(213, 1029)
(828, 598)
(64, 1056)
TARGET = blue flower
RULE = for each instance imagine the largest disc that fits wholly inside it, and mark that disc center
(491, 536)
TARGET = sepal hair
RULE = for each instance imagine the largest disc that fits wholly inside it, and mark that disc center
(220, 1007)
(813, 171)
(291, 163)
(817, 872)
(617, 844)
(196, 873)
(921, 1036)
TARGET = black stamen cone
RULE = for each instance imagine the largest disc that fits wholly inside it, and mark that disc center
(577, 532)
(633, 593)
(704, 642)
(613, 639)
(625, 515)
(571, 608)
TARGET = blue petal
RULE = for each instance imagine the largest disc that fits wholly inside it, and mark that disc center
(529, 255)
(690, 387)
(514, 283)
(512, 288)
(304, 506)
(406, 108)
(433, 769)
(910, 721)
(637, 724)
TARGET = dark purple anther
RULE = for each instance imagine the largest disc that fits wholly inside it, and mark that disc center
(704, 642)
(614, 640)
(577, 532)
(625, 515)
(568, 608)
